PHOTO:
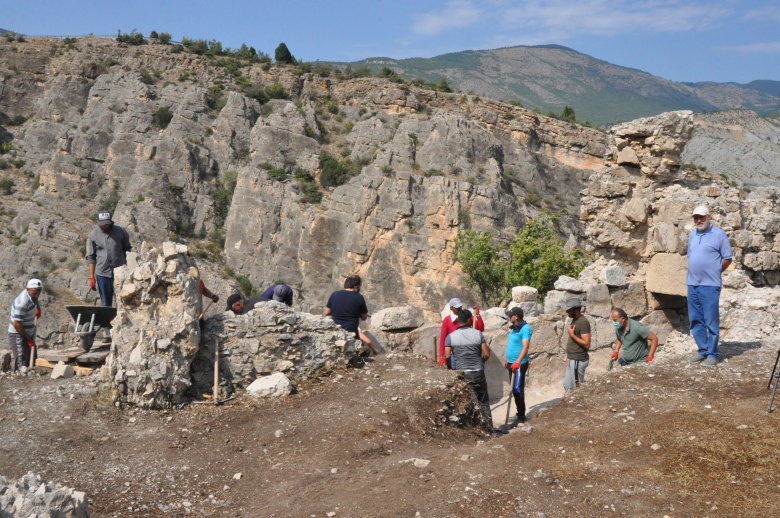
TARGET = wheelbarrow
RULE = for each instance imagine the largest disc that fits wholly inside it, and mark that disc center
(89, 320)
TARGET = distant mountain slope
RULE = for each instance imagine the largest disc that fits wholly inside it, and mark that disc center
(738, 144)
(551, 77)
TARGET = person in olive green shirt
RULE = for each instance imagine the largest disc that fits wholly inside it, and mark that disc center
(577, 345)
(637, 342)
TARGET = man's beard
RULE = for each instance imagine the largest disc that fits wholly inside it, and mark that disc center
(701, 227)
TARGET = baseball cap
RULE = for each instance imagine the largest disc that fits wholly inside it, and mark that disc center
(515, 311)
(232, 300)
(572, 302)
(104, 217)
(281, 291)
(701, 210)
(456, 303)
(35, 283)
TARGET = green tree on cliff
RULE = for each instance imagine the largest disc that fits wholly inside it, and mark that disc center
(534, 257)
(283, 55)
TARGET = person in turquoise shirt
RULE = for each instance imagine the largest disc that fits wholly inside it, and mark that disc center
(517, 358)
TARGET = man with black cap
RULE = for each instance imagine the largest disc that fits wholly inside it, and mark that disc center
(577, 346)
(279, 293)
(21, 329)
(107, 245)
(239, 306)
(517, 347)
(470, 349)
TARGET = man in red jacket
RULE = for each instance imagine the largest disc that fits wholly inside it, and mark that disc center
(450, 324)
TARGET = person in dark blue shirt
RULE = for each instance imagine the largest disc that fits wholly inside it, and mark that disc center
(347, 308)
(279, 293)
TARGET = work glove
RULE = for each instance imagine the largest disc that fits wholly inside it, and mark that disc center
(31, 343)
(215, 298)
(38, 313)
(615, 355)
(649, 359)
(515, 366)
(442, 360)
(92, 283)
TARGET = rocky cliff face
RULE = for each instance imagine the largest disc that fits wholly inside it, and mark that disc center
(430, 163)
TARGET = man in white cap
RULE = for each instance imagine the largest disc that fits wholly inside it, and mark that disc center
(709, 254)
(21, 329)
(450, 324)
(107, 245)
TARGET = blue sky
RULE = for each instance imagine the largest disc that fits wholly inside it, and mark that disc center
(692, 40)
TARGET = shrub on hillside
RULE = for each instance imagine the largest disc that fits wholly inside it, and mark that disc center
(134, 38)
(162, 117)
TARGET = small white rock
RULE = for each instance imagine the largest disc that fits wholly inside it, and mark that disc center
(237, 476)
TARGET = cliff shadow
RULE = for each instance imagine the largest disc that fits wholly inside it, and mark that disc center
(732, 349)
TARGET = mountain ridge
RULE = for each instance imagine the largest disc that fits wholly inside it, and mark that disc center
(550, 77)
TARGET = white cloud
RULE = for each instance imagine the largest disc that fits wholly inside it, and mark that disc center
(770, 47)
(456, 14)
(609, 18)
(540, 19)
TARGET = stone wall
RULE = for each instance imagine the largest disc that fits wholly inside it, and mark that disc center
(270, 338)
(156, 333)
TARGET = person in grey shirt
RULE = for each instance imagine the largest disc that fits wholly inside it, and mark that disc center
(470, 351)
(107, 245)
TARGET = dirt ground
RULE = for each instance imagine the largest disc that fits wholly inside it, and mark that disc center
(663, 439)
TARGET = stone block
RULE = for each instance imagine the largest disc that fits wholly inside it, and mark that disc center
(660, 301)
(392, 319)
(553, 302)
(735, 279)
(62, 371)
(525, 294)
(530, 309)
(631, 299)
(275, 385)
(613, 276)
(636, 210)
(627, 156)
(548, 335)
(662, 323)
(666, 274)
(424, 340)
(566, 283)
(599, 301)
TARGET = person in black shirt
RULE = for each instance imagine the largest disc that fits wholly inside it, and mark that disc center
(347, 307)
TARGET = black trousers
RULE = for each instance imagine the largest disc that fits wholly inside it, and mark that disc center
(478, 384)
(520, 394)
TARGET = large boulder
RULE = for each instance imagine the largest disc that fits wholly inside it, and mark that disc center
(631, 299)
(271, 338)
(397, 318)
(156, 332)
(274, 385)
(666, 274)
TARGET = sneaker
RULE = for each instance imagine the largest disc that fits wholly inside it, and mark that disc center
(697, 358)
(710, 362)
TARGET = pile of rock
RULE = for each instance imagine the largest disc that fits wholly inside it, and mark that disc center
(156, 332)
(31, 496)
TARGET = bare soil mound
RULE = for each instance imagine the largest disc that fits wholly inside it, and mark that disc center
(666, 438)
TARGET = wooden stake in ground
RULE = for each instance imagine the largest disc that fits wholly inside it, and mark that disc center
(216, 371)
(32, 349)
(509, 399)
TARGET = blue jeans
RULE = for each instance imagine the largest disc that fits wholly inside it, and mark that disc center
(704, 318)
(105, 286)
